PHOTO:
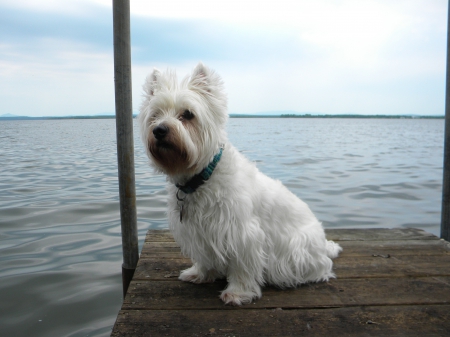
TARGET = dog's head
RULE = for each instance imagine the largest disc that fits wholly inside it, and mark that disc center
(183, 124)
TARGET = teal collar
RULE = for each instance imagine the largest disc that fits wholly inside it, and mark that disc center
(199, 179)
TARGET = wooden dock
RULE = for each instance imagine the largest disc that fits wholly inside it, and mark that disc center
(390, 282)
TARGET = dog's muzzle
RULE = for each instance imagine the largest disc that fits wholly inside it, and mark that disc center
(160, 132)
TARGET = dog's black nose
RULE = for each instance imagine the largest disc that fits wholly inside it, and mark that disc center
(160, 131)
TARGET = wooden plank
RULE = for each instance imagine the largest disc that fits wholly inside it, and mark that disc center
(170, 245)
(171, 295)
(160, 269)
(345, 267)
(159, 235)
(350, 234)
(342, 234)
(431, 320)
(395, 248)
(353, 248)
(394, 266)
(377, 234)
(162, 245)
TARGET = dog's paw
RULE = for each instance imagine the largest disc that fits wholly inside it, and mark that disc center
(195, 275)
(237, 299)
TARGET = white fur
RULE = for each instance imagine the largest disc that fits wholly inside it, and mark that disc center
(240, 224)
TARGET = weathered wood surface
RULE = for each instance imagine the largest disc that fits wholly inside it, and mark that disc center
(390, 282)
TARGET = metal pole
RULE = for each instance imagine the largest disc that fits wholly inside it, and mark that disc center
(125, 145)
(445, 215)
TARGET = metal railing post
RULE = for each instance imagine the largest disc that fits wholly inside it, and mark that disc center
(125, 145)
(445, 215)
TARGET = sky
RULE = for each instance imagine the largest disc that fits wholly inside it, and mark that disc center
(304, 56)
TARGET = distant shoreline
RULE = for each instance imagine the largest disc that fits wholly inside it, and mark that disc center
(241, 116)
(338, 116)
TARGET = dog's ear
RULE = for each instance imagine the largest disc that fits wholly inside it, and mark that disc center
(204, 79)
(152, 83)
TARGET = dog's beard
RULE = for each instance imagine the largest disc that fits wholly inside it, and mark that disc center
(171, 155)
(170, 158)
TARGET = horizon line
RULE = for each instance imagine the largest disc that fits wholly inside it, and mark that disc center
(237, 115)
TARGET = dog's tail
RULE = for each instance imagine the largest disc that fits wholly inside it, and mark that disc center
(333, 249)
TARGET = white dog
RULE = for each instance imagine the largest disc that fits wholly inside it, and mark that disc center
(228, 217)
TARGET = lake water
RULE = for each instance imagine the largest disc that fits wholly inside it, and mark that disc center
(60, 245)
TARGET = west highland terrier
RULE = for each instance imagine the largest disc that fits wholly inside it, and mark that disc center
(228, 217)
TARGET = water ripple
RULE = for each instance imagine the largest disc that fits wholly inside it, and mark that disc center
(60, 244)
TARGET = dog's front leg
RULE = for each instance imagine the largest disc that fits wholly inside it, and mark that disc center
(243, 285)
(198, 274)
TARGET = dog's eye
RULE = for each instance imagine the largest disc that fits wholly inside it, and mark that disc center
(188, 115)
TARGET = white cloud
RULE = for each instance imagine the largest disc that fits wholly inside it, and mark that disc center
(72, 7)
(72, 81)
(371, 56)
(349, 35)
